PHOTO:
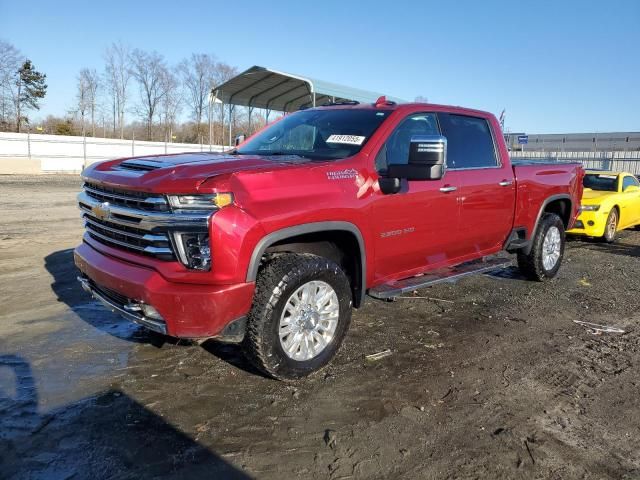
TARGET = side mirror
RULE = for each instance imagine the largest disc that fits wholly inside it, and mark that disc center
(427, 159)
(632, 188)
(239, 139)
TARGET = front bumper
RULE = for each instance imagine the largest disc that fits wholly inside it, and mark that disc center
(590, 223)
(188, 310)
(124, 306)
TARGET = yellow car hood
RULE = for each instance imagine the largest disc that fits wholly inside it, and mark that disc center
(595, 197)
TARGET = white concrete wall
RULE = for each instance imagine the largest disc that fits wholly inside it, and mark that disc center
(58, 153)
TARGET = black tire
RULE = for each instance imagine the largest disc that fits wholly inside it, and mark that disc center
(531, 265)
(611, 231)
(277, 280)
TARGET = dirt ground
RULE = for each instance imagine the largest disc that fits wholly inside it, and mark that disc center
(488, 378)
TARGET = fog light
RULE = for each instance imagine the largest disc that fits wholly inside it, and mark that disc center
(151, 312)
(193, 250)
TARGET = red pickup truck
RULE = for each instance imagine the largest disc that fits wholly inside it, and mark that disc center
(272, 244)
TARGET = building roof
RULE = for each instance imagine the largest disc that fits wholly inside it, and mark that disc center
(270, 89)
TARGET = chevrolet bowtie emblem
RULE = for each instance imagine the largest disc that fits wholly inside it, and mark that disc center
(101, 211)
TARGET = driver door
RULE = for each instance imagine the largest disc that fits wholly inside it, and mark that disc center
(417, 227)
(631, 201)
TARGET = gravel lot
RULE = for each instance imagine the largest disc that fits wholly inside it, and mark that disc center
(488, 378)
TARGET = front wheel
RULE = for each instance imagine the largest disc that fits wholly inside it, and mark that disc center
(611, 228)
(547, 250)
(301, 312)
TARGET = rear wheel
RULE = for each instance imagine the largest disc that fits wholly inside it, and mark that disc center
(611, 228)
(547, 250)
(301, 312)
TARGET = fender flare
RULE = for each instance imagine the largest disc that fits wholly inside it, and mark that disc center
(305, 228)
(548, 200)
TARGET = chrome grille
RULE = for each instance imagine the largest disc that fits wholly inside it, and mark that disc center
(129, 238)
(132, 199)
(137, 222)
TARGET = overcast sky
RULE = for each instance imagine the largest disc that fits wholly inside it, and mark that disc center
(563, 66)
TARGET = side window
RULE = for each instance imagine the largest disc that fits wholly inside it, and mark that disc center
(397, 145)
(469, 141)
(629, 181)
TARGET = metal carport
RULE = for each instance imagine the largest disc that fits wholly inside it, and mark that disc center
(261, 87)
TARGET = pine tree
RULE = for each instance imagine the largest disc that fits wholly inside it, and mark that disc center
(31, 88)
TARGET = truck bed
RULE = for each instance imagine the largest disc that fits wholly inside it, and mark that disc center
(541, 161)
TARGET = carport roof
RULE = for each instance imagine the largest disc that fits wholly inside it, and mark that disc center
(270, 89)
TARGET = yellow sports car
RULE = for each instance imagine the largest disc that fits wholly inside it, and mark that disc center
(610, 203)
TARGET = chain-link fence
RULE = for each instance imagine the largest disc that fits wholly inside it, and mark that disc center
(611, 161)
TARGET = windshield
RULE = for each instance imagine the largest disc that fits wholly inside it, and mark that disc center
(328, 134)
(602, 182)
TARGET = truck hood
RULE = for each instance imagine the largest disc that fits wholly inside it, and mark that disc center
(183, 172)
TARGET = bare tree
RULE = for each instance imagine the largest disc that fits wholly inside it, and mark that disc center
(150, 71)
(421, 99)
(10, 61)
(171, 103)
(224, 72)
(90, 81)
(117, 76)
(82, 99)
(198, 77)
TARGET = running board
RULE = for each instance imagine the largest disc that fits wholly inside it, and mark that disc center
(399, 287)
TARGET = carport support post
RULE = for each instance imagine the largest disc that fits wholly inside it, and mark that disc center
(84, 152)
(29, 142)
(222, 122)
(210, 122)
(230, 141)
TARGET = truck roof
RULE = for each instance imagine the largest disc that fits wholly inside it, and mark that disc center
(405, 106)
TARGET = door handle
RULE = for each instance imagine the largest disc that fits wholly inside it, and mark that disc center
(505, 183)
(448, 189)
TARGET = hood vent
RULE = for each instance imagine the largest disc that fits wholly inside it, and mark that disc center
(140, 165)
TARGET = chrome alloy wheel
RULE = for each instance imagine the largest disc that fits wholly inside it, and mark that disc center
(309, 320)
(612, 225)
(551, 247)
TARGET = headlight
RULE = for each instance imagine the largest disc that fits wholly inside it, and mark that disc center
(590, 208)
(210, 201)
(193, 250)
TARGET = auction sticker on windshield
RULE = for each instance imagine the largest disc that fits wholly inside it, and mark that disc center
(347, 139)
